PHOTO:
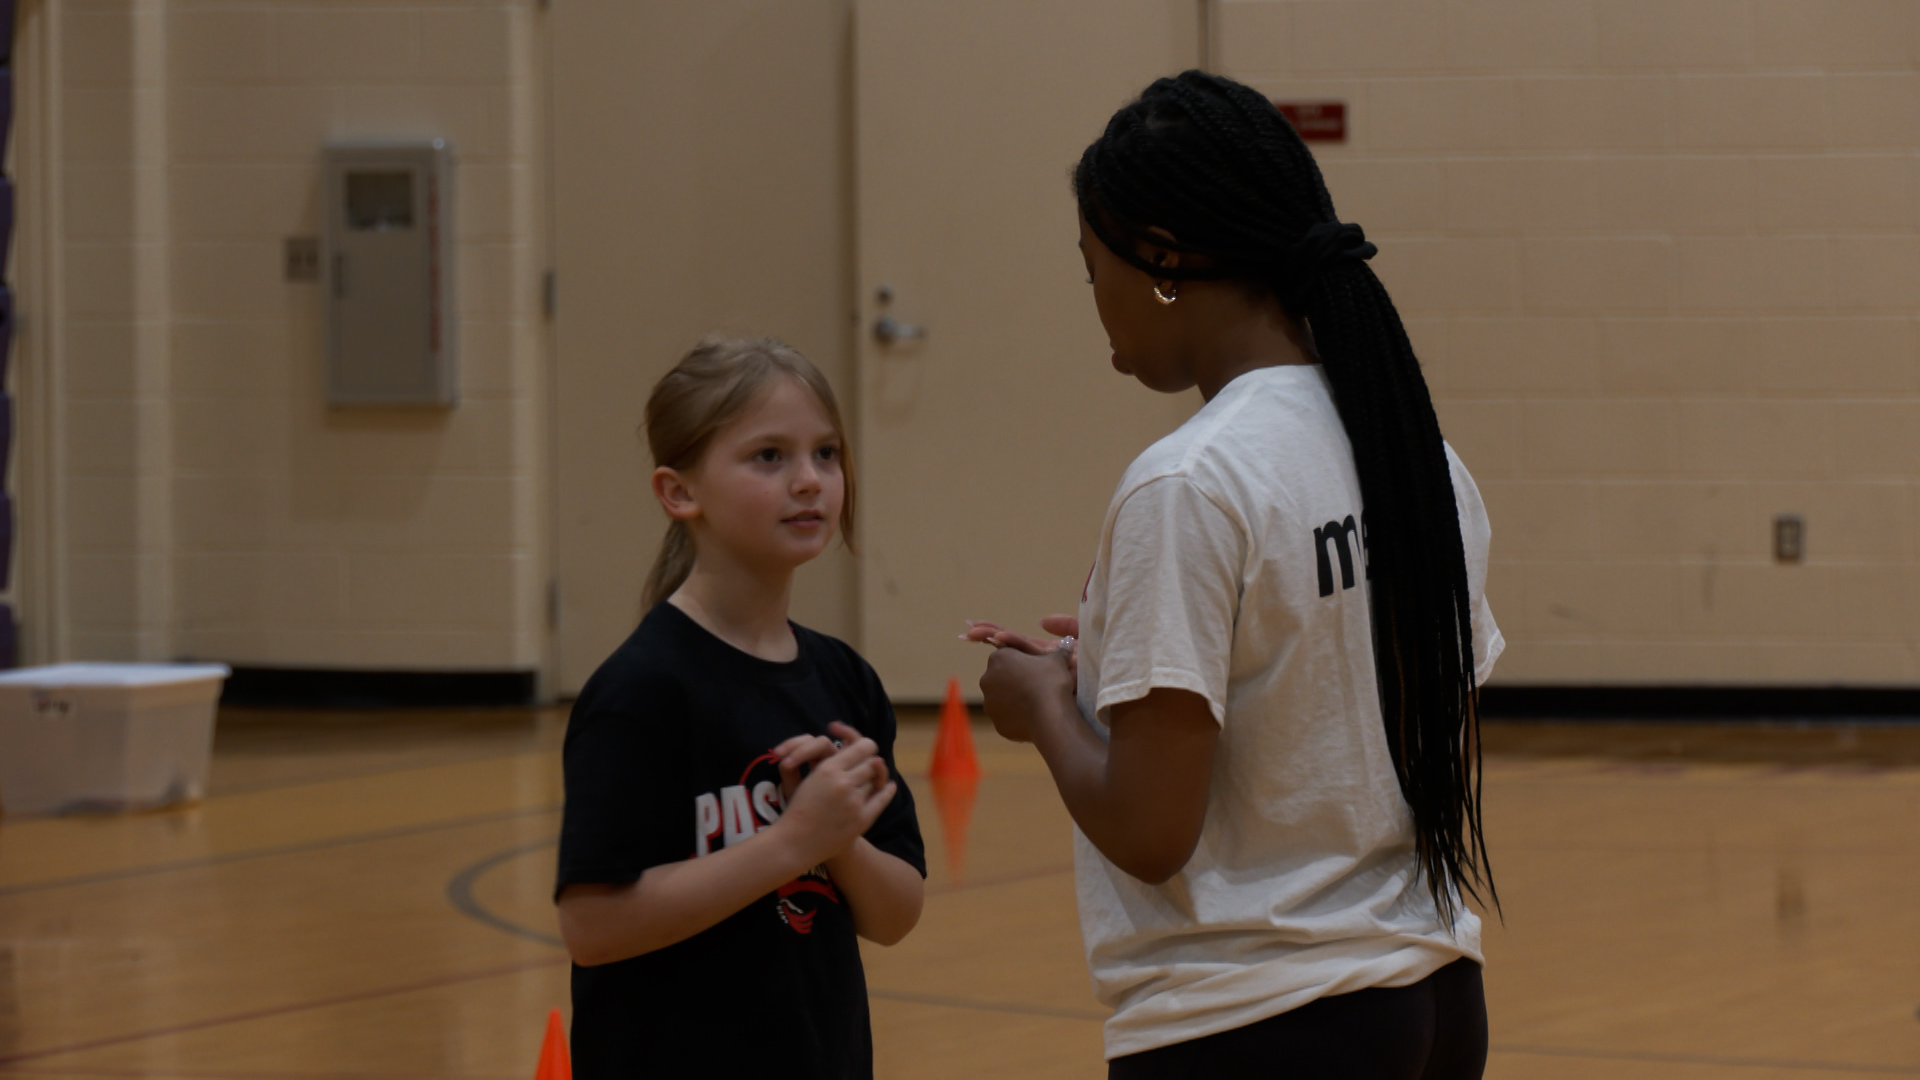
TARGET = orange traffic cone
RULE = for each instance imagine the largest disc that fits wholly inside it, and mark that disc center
(954, 796)
(956, 776)
(554, 1063)
(953, 744)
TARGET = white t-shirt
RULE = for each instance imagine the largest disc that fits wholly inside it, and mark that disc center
(1231, 565)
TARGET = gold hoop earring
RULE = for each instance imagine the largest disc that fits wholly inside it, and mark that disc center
(1164, 298)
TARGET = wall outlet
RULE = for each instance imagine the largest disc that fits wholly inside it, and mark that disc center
(303, 258)
(1789, 538)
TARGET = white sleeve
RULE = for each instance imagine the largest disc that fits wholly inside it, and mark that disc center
(1175, 561)
(1476, 535)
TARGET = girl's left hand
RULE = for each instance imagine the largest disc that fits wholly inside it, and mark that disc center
(805, 750)
(1019, 685)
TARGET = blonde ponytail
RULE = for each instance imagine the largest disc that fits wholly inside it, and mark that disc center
(672, 565)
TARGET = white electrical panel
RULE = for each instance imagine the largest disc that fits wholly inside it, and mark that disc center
(388, 252)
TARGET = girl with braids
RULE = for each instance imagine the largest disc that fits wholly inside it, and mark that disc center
(727, 831)
(1265, 733)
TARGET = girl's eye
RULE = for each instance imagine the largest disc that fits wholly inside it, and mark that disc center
(768, 455)
(829, 453)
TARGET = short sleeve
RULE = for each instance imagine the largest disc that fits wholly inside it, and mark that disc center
(1175, 560)
(897, 830)
(627, 805)
(1476, 535)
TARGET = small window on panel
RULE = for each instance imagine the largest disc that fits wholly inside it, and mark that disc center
(379, 201)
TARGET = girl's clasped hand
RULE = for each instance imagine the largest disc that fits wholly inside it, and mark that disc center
(834, 788)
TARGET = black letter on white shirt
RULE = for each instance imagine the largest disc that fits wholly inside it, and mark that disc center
(1335, 531)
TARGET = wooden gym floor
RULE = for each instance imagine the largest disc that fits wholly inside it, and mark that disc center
(365, 897)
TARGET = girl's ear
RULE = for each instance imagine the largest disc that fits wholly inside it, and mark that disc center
(676, 498)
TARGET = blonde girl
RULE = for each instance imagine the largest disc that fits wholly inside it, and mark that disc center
(733, 817)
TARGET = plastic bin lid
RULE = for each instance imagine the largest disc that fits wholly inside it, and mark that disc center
(113, 674)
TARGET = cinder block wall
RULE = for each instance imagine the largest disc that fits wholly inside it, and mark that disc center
(1662, 258)
(216, 506)
(1662, 261)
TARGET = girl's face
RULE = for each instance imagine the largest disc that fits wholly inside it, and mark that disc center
(1145, 334)
(767, 493)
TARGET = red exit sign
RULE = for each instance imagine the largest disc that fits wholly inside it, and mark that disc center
(1316, 121)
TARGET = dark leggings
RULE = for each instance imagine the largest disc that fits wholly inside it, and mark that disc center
(1435, 1029)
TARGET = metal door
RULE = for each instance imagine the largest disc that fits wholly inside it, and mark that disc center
(992, 425)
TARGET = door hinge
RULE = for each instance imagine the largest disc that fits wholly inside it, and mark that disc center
(549, 294)
(553, 603)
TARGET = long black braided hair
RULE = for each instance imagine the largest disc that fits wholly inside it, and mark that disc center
(1215, 164)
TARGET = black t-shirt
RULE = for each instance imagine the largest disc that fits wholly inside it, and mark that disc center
(667, 758)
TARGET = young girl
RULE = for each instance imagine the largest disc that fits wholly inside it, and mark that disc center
(733, 817)
(1270, 749)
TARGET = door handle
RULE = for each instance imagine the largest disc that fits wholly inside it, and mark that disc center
(888, 330)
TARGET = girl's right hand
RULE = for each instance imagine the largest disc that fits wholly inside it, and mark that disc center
(842, 794)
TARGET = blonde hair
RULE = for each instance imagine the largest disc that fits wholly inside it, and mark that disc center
(711, 386)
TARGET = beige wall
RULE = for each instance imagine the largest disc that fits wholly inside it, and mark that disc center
(214, 505)
(1662, 259)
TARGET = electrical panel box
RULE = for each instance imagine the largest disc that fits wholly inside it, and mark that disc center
(388, 250)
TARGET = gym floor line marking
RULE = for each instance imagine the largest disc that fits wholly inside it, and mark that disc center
(1852, 851)
(459, 891)
(377, 771)
(1710, 1059)
(281, 849)
(283, 1010)
(1771, 782)
(993, 883)
(248, 1075)
(460, 895)
(985, 1006)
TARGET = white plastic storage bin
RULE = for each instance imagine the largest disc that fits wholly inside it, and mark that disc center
(105, 737)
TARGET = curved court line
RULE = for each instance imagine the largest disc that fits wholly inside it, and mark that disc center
(283, 849)
(280, 1010)
(460, 894)
(460, 887)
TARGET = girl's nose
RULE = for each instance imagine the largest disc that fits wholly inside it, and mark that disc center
(807, 476)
